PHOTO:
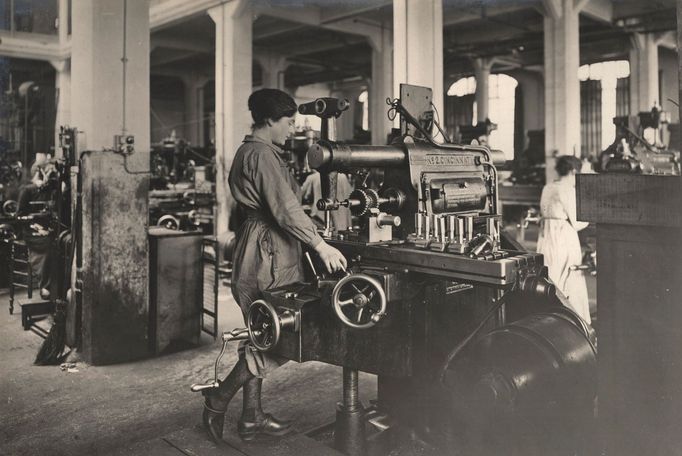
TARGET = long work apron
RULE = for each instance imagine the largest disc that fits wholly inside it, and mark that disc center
(268, 250)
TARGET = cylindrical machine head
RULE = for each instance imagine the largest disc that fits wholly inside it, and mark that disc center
(318, 156)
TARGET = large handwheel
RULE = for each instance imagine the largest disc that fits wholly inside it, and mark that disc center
(359, 301)
(263, 324)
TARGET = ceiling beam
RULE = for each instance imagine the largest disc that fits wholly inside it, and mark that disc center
(667, 40)
(175, 57)
(271, 31)
(310, 15)
(290, 50)
(313, 16)
(181, 44)
(336, 13)
(460, 16)
(28, 46)
(170, 12)
(179, 72)
(600, 10)
(553, 8)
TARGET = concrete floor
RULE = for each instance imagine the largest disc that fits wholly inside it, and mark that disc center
(102, 409)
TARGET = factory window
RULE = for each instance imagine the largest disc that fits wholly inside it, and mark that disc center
(464, 86)
(29, 16)
(604, 88)
(502, 100)
(364, 99)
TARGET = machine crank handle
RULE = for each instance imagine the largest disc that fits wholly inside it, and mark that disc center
(197, 387)
(235, 334)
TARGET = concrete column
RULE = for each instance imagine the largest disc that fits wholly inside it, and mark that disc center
(643, 73)
(110, 69)
(273, 67)
(63, 21)
(233, 85)
(194, 109)
(62, 77)
(109, 100)
(418, 46)
(562, 87)
(382, 86)
(482, 67)
(63, 95)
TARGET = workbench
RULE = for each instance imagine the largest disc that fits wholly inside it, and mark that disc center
(639, 254)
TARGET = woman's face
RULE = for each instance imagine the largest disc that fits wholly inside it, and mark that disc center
(280, 129)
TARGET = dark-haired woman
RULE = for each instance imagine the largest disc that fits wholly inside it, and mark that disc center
(558, 240)
(267, 253)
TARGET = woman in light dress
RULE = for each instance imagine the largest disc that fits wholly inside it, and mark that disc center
(558, 240)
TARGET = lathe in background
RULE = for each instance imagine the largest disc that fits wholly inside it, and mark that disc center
(643, 145)
(182, 186)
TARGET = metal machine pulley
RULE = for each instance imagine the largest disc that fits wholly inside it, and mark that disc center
(10, 207)
(534, 374)
(265, 324)
(359, 301)
(169, 221)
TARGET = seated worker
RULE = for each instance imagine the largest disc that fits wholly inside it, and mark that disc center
(37, 233)
(267, 254)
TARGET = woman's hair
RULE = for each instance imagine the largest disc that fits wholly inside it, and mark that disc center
(270, 104)
(567, 163)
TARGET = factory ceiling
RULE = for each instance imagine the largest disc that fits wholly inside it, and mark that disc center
(319, 47)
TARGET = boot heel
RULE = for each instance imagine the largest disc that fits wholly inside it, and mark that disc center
(248, 437)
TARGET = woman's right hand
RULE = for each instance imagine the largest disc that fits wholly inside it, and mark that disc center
(331, 257)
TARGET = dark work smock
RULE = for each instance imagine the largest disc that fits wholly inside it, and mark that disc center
(267, 251)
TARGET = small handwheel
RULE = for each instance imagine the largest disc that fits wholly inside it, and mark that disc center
(10, 208)
(359, 301)
(264, 325)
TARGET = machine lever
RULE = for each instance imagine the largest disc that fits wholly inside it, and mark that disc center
(312, 266)
(235, 334)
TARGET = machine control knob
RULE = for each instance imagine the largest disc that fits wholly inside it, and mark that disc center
(388, 220)
(359, 301)
(538, 286)
(327, 205)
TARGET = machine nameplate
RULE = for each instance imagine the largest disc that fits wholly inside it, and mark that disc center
(456, 287)
(448, 160)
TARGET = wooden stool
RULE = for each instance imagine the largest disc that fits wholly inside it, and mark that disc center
(32, 308)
